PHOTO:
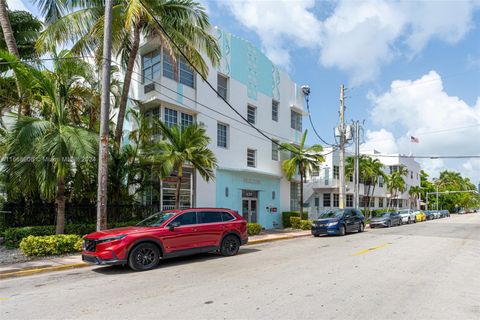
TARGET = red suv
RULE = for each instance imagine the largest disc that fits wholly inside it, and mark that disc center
(167, 234)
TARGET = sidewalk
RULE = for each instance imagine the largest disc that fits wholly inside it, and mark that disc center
(75, 261)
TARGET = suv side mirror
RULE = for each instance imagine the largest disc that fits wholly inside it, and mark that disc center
(173, 225)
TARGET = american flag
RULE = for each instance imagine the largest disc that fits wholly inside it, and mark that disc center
(414, 140)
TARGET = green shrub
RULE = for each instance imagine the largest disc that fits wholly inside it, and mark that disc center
(253, 229)
(51, 245)
(295, 222)
(13, 236)
(286, 217)
(306, 224)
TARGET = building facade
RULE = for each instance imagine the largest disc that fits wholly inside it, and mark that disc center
(249, 177)
(322, 189)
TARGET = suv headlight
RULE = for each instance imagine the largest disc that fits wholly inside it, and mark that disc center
(331, 224)
(101, 240)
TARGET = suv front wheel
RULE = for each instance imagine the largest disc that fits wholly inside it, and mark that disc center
(230, 246)
(144, 256)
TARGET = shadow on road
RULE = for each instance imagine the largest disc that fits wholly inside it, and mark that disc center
(172, 262)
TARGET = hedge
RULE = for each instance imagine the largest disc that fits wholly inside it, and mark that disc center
(253, 229)
(306, 224)
(286, 217)
(51, 245)
(13, 236)
(295, 222)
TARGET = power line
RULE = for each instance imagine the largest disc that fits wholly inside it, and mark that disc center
(312, 125)
(423, 156)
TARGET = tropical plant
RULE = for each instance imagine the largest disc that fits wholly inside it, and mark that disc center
(185, 21)
(415, 192)
(45, 148)
(180, 148)
(302, 160)
(396, 183)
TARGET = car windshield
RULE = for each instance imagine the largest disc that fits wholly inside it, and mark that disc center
(386, 214)
(404, 211)
(332, 214)
(156, 219)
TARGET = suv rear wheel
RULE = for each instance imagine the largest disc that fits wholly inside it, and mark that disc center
(144, 256)
(230, 246)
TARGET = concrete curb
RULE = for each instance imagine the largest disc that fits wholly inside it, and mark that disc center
(28, 272)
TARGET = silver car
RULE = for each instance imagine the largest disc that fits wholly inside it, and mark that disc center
(408, 215)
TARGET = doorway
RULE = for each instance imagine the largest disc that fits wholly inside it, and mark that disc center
(249, 205)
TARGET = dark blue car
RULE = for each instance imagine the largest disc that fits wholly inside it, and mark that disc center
(339, 222)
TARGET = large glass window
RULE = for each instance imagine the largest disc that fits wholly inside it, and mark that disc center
(336, 201)
(349, 200)
(151, 66)
(275, 150)
(326, 200)
(185, 120)
(251, 114)
(222, 86)
(222, 135)
(168, 70)
(295, 120)
(274, 110)
(294, 196)
(186, 74)
(251, 158)
(380, 202)
(171, 117)
(186, 218)
(336, 172)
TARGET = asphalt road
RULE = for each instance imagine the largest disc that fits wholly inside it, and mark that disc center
(428, 270)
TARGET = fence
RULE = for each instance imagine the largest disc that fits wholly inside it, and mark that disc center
(15, 215)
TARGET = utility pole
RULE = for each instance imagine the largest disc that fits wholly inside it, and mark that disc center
(104, 117)
(356, 178)
(342, 191)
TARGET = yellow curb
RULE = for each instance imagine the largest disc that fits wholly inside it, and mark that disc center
(275, 239)
(28, 272)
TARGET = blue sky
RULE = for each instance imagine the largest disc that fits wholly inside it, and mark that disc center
(429, 51)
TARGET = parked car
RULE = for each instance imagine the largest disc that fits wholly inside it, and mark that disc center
(420, 216)
(436, 214)
(444, 213)
(339, 222)
(407, 215)
(167, 234)
(387, 219)
(429, 215)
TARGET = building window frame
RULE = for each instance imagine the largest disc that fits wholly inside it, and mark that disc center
(186, 75)
(295, 120)
(327, 200)
(336, 200)
(251, 158)
(275, 150)
(151, 66)
(222, 135)
(336, 172)
(275, 105)
(349, 200)
(251, 114)
(222, 88)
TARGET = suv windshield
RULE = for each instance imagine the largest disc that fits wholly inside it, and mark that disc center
(332, 214)
(156, 219)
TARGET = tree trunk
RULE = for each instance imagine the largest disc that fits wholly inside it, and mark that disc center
(60, 202)
(301, 192)
(126, 86)
(369, 204)
(177, 192)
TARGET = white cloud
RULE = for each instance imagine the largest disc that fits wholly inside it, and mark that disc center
(358, 37)
(381, 140)
(16, 5)
(444, 124)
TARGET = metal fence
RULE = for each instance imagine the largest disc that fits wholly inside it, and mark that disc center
(16, 215)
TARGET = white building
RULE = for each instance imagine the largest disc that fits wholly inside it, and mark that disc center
(249, 177)
(322, 189)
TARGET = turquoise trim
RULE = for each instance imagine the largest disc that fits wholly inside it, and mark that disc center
(238, 181)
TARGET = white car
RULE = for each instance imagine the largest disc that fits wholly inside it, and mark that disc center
(408, 216)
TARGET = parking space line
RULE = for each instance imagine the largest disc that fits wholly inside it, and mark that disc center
(369, 249)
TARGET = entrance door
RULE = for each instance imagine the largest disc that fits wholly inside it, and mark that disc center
(249, 205)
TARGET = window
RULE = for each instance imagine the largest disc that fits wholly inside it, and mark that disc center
(275, 110)
(222, 135)
(251, 158)
(317, 202)
(336, 200)
(296, 120)
(411, 175)
(326, 200)
(168, 70)
(209, 216)
(222, 86)
(251, 114)
(226, 216)
(151, 66)
(349, 200)
(350, 178)
(294, 196)
(185, 120)
(315, 171)
(170, 117)
(186, 74)
(186, 218)
(152, 115)
(380, 181)
(380, 202)
(275, 150)
(336, 172)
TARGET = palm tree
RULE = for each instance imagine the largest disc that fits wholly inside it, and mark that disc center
(179, 148)
(48, 145)
(26, 29)
(7, 29)
(185, 21)
(302, 160)
(396, 183)
(415, 192)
